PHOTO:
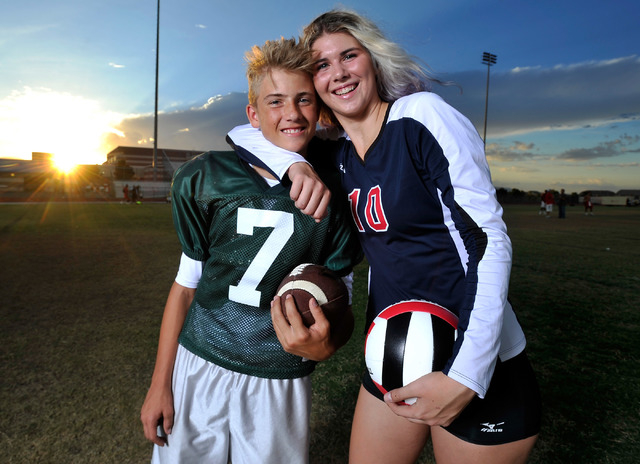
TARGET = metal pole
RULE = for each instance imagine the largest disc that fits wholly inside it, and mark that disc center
(486, 108)
(488, 59)
(155, 119)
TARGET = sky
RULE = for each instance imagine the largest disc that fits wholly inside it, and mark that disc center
(78, 77)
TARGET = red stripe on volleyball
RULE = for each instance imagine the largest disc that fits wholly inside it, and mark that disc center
(384, 392)
(380, 387)
(419, 306)
(368, 332)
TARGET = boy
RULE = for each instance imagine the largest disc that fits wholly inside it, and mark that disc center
(223, 386)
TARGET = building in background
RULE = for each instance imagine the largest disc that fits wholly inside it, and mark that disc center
(38, 179)
(133, 166)
(127, 163)
(36, 174)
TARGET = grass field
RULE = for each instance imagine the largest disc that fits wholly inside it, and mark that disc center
(83, 288)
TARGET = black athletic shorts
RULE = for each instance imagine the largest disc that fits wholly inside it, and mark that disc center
(510, 411)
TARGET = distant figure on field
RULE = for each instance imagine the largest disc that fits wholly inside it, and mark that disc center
(542, 207)
(548, 202)
(588, 205)
(125, 193)
(562, 204)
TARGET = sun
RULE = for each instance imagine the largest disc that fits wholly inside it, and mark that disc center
(69, 126)
(64, 165)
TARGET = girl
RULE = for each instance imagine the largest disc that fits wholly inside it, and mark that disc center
(416, 177)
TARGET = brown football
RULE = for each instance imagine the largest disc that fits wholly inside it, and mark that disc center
(308, 281)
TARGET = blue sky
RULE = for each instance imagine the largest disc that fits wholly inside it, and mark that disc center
(78, 77)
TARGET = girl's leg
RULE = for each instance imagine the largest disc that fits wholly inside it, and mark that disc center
(378, 436)
(449, 449)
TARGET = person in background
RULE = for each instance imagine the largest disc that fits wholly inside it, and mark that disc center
(588, 204)
(548, 203)
(125, 193)
(417, 179)
(541, 211)
(226, 384)
(562, 205)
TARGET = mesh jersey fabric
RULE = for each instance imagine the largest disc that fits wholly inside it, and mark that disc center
(250, 236)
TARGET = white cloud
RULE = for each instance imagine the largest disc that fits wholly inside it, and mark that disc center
(528, 103)
(199, 128)
(609, 149)
(541, 99)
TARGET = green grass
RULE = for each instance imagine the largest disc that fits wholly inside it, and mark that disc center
(83, 288)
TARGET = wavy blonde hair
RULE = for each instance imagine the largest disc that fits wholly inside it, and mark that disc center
(397, 73)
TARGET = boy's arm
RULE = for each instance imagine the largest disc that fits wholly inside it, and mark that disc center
(307, 190)
(158, 404)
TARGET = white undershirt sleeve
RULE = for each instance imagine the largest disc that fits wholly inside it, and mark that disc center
(348, 281)
(189, 272)
(277, 159)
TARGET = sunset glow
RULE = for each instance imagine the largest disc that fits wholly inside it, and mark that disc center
(71, 127)
(560, 108)
(64, 165)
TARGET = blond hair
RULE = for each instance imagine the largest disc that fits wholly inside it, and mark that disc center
(286, 54)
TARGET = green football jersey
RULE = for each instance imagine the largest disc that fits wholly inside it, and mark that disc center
(249, 236)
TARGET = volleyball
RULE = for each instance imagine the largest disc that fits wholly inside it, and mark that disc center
(408, 340)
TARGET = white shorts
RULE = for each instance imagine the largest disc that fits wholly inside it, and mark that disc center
(549, 207)
(223, 416)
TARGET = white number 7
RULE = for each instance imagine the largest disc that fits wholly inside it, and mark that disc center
(245, 292)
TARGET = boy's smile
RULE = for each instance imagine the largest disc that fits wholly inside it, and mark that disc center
(286, 110)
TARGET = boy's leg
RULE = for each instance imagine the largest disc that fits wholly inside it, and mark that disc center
(269, 420)
(200, 425)
(378, 436)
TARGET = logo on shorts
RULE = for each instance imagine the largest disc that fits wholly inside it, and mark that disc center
(491, 428)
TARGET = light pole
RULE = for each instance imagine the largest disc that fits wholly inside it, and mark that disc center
(155, 118)
(489, 60)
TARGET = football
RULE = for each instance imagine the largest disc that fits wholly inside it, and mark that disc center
(308, 281)
(408, 340)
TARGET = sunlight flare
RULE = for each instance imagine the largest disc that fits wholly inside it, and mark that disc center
(70, 127)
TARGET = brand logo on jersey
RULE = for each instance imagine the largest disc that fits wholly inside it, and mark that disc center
(491, 428)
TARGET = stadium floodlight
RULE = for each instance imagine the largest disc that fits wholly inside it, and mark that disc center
(488, 59)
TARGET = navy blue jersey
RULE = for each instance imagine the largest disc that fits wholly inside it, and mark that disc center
(430, 225)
